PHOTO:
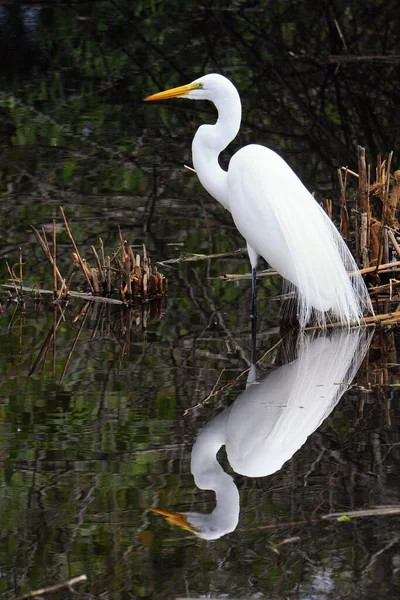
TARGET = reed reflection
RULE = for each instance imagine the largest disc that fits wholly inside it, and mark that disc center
(269, 421)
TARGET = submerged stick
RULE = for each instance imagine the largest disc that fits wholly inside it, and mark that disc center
(394, 266)
(366, 512)
(382, 319)
(79, 295)
(54, 588)
(379, 511)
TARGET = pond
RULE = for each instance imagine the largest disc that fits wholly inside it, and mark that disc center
(111, 419)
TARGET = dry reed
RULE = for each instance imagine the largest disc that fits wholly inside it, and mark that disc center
(123, 275)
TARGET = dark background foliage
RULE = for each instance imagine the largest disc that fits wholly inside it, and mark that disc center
(82, 459)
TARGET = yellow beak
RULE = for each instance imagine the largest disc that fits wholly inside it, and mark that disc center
(177, 92)
(173, 518)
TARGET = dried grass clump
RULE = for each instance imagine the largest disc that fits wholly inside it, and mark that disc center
(376, 236)
(376, 212)
(123, 276)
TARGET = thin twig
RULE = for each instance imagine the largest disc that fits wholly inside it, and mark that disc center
(93, 249)
(108, 273)
(239, 276)
(76, 249)
(54, 259)
(340, 34)
(20, 271)
(44, 246)
(382, 319)
(102, 252)
(350, 172)
(195, 257)
(12, 279)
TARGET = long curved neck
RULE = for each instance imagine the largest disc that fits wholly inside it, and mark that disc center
(209, 475)
(209, 142)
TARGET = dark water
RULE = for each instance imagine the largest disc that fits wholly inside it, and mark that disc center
(101, 430)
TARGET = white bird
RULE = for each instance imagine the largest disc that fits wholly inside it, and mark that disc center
(275, 213)
(268, 423)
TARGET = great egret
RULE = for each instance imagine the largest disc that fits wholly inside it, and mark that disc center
(274, 212)
(268, 423)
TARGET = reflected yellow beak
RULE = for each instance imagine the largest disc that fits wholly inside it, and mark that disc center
(177, 519)
(177, 92)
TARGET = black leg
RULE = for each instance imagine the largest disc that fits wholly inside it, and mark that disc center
(253, 315)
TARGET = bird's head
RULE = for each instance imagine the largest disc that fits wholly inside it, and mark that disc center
(174, 518)
(200, 524)
(212, 87)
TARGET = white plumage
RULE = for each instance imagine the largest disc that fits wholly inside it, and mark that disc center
(268, 422)
(297, 237)
(275, 213)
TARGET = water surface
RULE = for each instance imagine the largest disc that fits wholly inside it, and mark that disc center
(99, 421)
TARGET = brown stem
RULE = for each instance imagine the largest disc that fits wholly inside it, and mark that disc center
(76, 250)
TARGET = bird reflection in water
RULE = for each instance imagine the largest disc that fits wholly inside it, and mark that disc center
(269, 422)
